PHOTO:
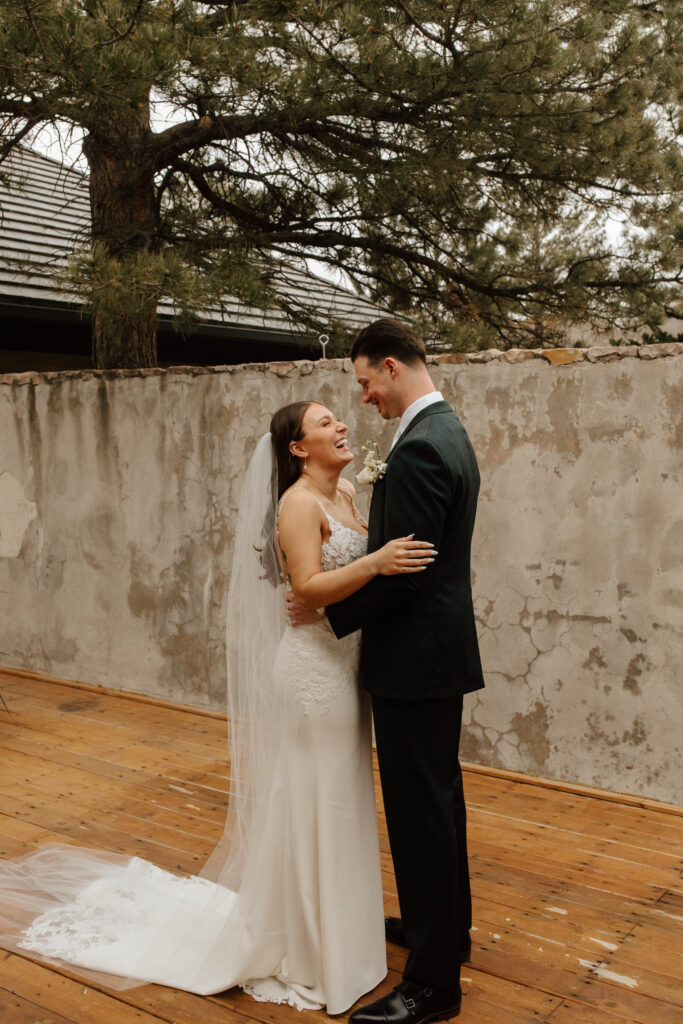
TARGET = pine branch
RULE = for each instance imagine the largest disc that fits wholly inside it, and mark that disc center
(130, 28)
(17, 138)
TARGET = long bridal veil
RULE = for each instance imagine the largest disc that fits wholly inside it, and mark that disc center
(257, 714)
(122, 921)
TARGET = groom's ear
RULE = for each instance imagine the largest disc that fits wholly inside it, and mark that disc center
(391, 366)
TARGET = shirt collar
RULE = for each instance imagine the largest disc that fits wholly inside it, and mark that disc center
(413, 409)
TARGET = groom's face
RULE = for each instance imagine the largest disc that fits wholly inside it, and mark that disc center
(378, 386)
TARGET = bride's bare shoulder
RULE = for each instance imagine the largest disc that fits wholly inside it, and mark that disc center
(296, 502)
(299, 518)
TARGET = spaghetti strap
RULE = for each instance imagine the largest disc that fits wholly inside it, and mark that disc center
(286, 494)
(328, 515)
(356, 514)
(359, 518)
(281, 503)
(278, 546)
(288, 582)
(321, 507)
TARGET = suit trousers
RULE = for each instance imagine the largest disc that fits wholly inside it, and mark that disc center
(424, 802)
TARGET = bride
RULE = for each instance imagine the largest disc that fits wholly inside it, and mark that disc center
(289, 904)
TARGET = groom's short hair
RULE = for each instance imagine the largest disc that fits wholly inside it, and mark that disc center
(389, 337)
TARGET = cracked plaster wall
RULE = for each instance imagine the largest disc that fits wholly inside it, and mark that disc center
(118, 494)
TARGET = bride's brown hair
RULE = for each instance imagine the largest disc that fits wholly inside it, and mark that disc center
(287, 426)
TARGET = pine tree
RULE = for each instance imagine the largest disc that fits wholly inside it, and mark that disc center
(455, 159)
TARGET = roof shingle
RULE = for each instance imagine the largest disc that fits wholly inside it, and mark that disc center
(45, 215)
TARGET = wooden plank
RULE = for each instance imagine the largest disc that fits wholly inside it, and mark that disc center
(542, 875)
(560, 786)
(663, 918)
(587, 989)
(643, 834)
(9, 675)
(565, 848)
(134, 784)
(526, 802)
(42, 809)
(570, 872)
(65, 824)
(510, 898)
(67, 818)
(570, 958)
(39, 773)
(672, 899)
(131, 741)
(32, 696)
(659, 940)
(110, 765)
(203, 820)
(496, 878)
(576, 830)
(540, 932)
(146, 1004)
(15, 1010)
(79, 1003)
(578, 901)
(11, 848)
(544, 807)
(569, 1012)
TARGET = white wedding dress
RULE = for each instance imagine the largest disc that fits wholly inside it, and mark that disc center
(306, 926)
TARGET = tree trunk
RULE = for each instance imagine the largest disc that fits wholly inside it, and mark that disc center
(124, 225)
(128, 343)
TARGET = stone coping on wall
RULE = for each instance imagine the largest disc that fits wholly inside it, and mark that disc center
(303, 367)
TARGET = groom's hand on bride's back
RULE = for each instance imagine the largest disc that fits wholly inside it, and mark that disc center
(298, 615)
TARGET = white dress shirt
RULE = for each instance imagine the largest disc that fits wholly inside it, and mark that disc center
(411, 412)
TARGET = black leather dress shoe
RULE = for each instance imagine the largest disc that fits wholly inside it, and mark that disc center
(410, 1003)
(393, 929)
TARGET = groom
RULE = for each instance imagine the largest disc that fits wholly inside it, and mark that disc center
(419, 655)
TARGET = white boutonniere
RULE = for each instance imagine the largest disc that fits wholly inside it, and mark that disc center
(373, 466)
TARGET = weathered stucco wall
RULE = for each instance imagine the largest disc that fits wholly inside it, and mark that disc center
(118, 494)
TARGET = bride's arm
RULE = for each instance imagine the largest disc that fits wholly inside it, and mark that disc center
(300, 538)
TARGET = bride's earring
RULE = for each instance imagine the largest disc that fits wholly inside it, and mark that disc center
(305, 465)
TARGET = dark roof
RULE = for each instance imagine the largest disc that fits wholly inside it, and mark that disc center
(45, 214)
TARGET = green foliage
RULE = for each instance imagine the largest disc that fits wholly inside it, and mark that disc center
(120, 287)
(457, 161)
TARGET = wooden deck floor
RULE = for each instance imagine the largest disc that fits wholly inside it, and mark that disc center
(578, 901)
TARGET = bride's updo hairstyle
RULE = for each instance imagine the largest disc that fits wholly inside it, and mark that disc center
(287, 426)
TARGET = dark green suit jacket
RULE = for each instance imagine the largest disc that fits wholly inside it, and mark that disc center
(419, 638)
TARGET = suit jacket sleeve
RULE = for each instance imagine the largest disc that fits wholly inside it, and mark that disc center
(419, 493)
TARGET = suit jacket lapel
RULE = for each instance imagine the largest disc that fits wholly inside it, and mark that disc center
(376, 513)
(430, 410)
(376, 516)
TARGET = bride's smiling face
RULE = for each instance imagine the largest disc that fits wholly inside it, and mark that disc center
(324, 439)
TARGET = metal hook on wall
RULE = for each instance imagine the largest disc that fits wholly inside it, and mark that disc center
(323, 340)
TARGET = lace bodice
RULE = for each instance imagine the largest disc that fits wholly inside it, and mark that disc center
(344, 544)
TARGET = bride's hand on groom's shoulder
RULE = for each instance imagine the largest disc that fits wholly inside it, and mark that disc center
(405, 554)
(297, 615)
